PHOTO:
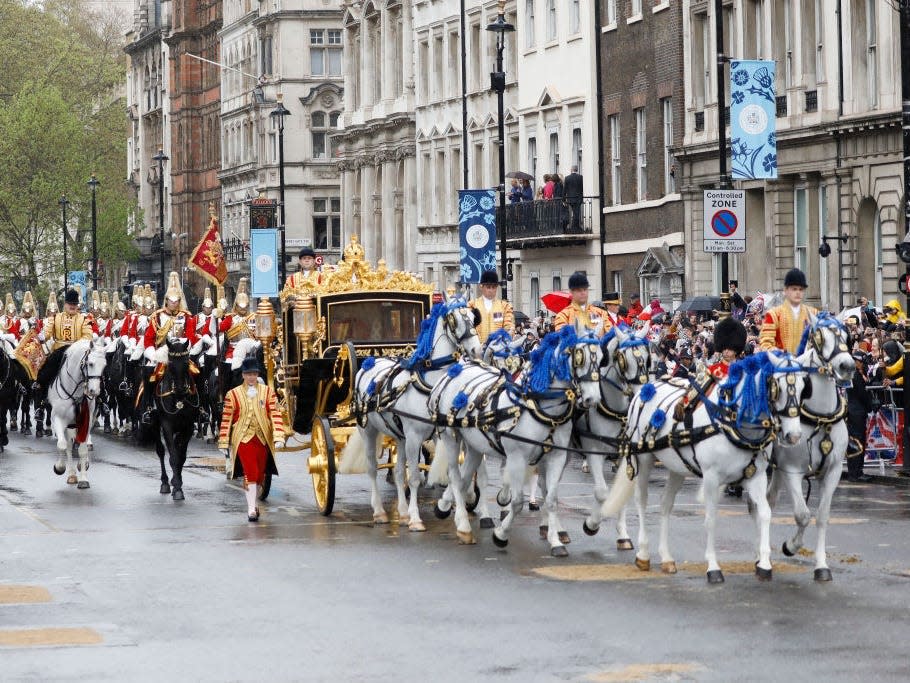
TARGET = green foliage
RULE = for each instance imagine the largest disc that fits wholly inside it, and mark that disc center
(61, 120)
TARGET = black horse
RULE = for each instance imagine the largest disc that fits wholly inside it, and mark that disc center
(118, 390)
(14, 382)
(177, 404)
(205, 426)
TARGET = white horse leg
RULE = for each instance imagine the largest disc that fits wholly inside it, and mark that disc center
(415, 477)
(801, 514)
(370, 436)
(643, 555)
(514, 472)
(82, 469)
(483, 506)
(401, 461)
(596, 464)
(712, 491)
(674, 483)
(756, 488)
(556, 535)
(822, 515)
(462, 522)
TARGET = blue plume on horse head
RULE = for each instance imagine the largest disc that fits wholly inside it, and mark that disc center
(499, 336)
(424, 344)
(747, 384)
(823, 319)
(550, 359)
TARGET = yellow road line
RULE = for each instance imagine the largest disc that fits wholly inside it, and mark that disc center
(45, 637)
(16, 595)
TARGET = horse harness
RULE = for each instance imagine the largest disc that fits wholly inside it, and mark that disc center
(189, 390)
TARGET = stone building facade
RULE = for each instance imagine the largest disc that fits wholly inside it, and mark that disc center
(838, 147)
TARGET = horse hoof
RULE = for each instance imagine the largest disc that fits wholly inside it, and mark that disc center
(624, 544)
(39, 433)
(486, 523)
(440, 513)
(543, 530)
(13, 428)
(72, 479)
(83, 485)
(165, 488)
(668, 567)
(564, 537)
(417, 526)
(404, 520)
(381, 519)
(588, 530)
(786, 551)
(559, 551)
(59, 470)
(91, 447)
(643, 565)
(465, 537)
(823, 574)
(26, 431)
(762, 574)
(178, 494)
(715, 576)
(499, 542)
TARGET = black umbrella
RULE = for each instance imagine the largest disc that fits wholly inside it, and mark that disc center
(520, 175)
(700, 304)
(520, 318)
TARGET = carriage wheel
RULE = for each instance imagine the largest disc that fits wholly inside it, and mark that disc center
(321, 464)
(266, 486)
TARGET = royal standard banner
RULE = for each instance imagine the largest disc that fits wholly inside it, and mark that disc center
(264, 262)
(753, 108)
(477, 233)
(208, 256)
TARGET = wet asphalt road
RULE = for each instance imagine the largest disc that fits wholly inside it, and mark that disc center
(120, 583)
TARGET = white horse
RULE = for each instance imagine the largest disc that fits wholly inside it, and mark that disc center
(72, 397)
(482, 411)
(390, 398)
(824, 352)
(624, 371)
(722, 436)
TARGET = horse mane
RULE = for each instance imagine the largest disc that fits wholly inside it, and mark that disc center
(424, 344)
(745, 386)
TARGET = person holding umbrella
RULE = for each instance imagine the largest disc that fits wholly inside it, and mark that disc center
(495, 314)
(579, 309)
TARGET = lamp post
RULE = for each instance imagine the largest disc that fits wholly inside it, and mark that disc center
(278, 114)
(64, 202)
(93, 184)
(498, 85)
(161, 157)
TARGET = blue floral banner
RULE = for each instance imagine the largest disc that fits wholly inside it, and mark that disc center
(753, 109)
(477, 233)
(264, 262)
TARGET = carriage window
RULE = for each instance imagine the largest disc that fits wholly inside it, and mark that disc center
(372, 321)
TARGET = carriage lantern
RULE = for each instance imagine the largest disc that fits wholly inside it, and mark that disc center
(305, 320)
(265, 333)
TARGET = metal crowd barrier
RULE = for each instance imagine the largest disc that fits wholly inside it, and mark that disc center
(884, 430)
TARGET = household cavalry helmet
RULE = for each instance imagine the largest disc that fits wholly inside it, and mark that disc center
(148, 300)
(222, 299)
(174, 291)
(136, 301)
(207, 298)
(52, 307)
(10, 304)
(96, 302)
(28, 305)
(242, 297)
(104, 310)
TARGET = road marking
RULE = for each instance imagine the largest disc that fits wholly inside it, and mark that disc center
(18, 595)
(644, 672)
(629, 572)
(49, 637)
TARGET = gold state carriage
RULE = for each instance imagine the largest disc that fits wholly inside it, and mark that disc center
(331, 320)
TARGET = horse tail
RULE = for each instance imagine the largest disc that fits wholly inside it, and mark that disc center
(439, 468)
(619, 495)
(354, 456)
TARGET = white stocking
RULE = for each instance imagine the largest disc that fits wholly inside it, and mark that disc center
(251, 497)
(532, 486)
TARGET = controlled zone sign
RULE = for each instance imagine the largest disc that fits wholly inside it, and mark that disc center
(725, 221)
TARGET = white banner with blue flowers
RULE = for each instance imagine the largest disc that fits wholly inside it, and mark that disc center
(477, 232)
(753, 144)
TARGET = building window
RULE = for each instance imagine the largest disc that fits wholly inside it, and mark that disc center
(273, 140)
(321, 126)
(265, 55)
(701, 60)
(616, 175)
(754, 29)
(616, 276)
(576, 148)
(327, 222)
(557, 280)
(801, 231)
(554, 152)
(532, 157)
(325, 52)
(535, 293)
(551, 19)
(574, 16)
(641, 154)
(872, 53)
(819, 41)
(611, 12)
(666, 106)
(529, 23)
(636, 8)
(423, 68)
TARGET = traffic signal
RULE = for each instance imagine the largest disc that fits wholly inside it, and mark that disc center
(903, 250)
(903, 283)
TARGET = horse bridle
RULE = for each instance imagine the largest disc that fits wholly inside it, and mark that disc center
(817, 343)
(86, 378)
(640, 352)
(452, 327)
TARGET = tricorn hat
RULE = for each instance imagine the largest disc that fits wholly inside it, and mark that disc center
(795, 278)
(612, 298)
(489, 277)
(578, 280)
(306, 251)
(250, 364)
(28, 304)
(242, 297)
(72, 297)
(730, 334)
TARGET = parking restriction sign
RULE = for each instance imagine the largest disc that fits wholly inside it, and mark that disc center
(725, 221)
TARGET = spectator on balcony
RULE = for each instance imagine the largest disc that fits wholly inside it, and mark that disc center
(549, 187)
(574, 187)
(527, 194)
(515, 192)
(559, 190)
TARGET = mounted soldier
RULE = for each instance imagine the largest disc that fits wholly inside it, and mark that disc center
(207, 324)
(30, 319)
(591, 317)
(60, 331)
(495, 314)
(239, 324)
(10, 331)
(783, 325)
(121, 318)
(102, 326)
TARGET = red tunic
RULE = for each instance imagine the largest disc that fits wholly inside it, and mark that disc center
(155, 323)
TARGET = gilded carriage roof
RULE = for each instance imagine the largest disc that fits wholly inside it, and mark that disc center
(355, 274)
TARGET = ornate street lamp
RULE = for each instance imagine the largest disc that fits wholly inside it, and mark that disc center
(498, 85)
(64, 202)
(278, 114)
(161, 157)
(93, 184)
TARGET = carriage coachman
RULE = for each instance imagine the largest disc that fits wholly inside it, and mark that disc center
(349, 313)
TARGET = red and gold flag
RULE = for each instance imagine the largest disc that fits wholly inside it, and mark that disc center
(208, 256)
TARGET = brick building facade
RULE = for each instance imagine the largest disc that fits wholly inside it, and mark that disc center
(643, 96)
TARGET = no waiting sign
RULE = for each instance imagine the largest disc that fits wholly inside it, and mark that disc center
(725, 221)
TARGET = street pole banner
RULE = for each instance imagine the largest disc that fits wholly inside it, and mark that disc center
(753, 112)
(78, 279)
(477, 233)
(264, 262)
(725, 221)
